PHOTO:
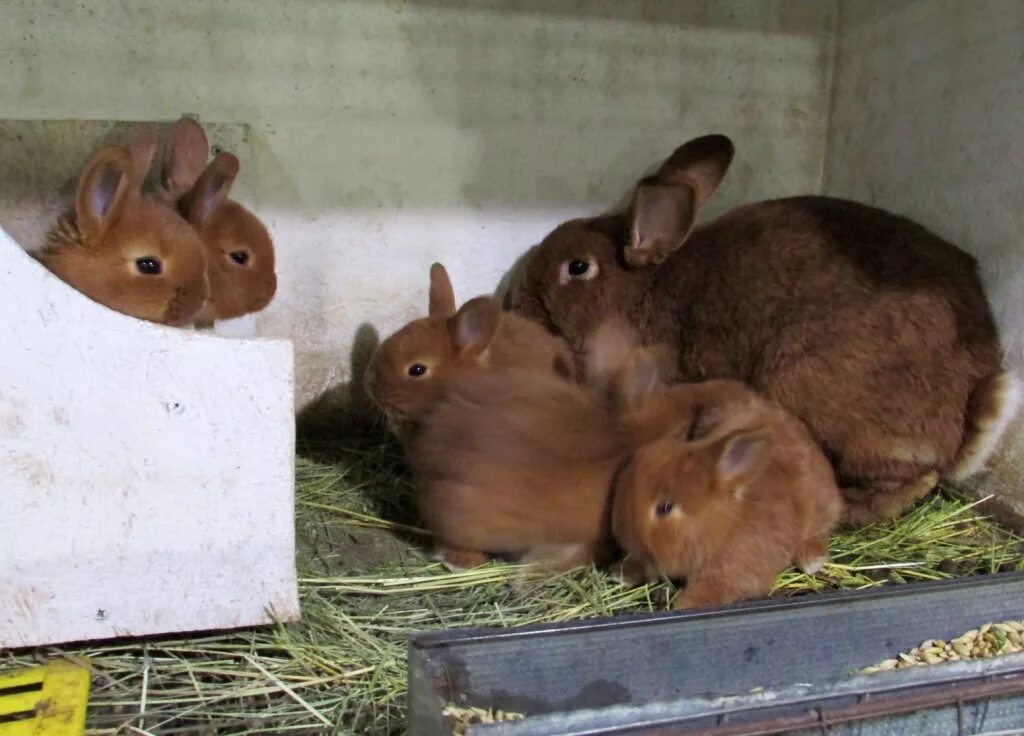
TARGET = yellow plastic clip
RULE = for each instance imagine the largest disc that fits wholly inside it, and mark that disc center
(44, 701)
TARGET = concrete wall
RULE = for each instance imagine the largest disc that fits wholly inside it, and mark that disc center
(386, 135)
(927, 119)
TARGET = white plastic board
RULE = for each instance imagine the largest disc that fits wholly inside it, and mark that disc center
(146, 472)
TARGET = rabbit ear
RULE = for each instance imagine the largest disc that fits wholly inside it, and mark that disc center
(704, 421)
(102, 189)
(473, 327)
(212, 189)
(142, 147)
(742, 457)
(700, 163)
(637, 380)
(664, 206)
(609, 349)
(661, 218)
(442, 295)
(184, 157)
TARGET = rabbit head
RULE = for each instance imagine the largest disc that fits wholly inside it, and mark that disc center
(678, 494)
(126, 252)
(588, 269)
(409, 370)
(239, 249)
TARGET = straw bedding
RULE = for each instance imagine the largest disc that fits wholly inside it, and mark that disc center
(367, 582)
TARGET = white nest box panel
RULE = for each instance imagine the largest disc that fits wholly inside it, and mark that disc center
(147, 472)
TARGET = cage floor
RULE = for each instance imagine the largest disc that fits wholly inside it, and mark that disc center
(368, 581)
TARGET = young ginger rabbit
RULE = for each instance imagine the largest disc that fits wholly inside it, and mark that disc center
(515, 461)
(410, 369)
(723, 487)
(124, 251)
(239, 249)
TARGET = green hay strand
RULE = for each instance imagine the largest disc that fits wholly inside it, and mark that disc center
(367, 582)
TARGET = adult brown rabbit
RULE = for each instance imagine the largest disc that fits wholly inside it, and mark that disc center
(871, 329)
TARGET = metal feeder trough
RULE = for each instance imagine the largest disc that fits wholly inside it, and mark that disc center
(784, 666)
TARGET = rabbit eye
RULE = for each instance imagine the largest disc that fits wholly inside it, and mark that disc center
(417, 369)
(241, 257)
(664, 508)
(149, 265)
(577, 269)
